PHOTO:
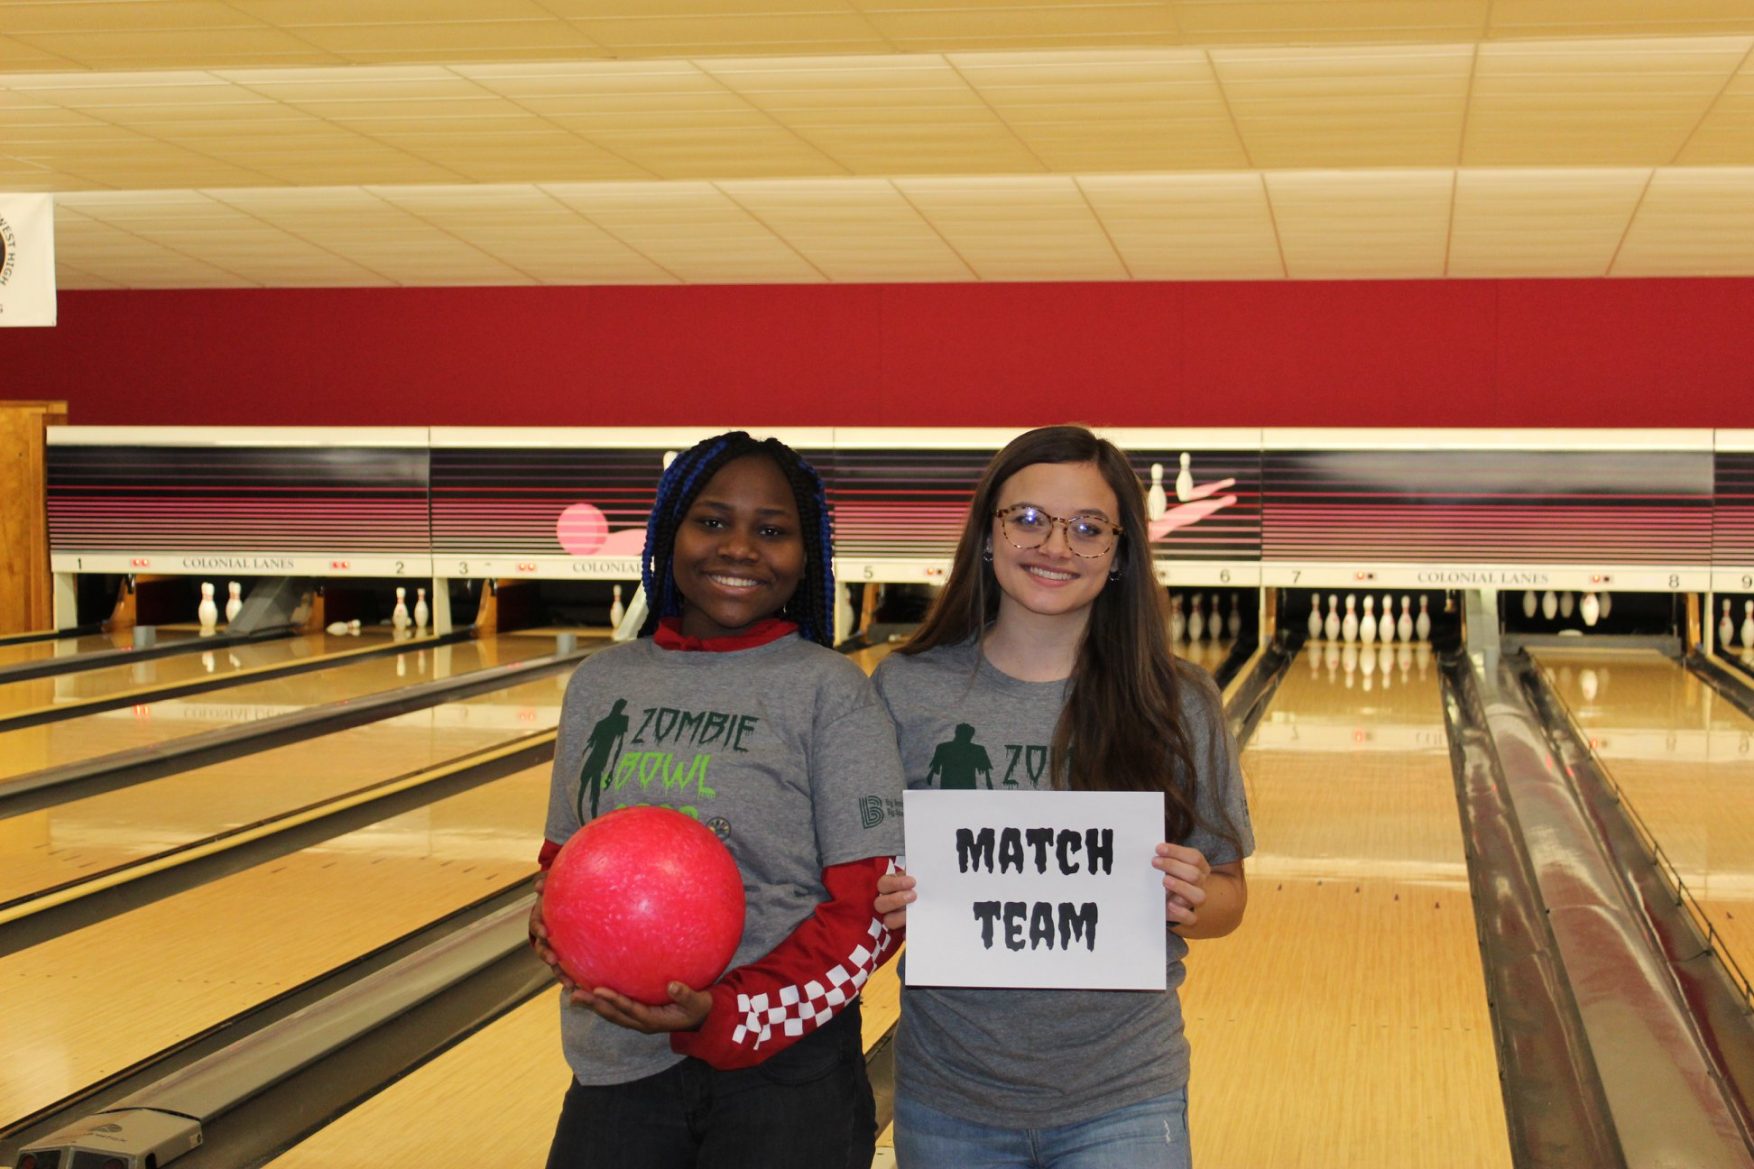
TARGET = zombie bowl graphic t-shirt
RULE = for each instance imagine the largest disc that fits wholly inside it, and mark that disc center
(1039, 1058)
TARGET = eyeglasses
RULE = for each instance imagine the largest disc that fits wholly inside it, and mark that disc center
(1027, 526)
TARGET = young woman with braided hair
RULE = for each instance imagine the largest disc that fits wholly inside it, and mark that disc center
(1048, 643)
(766, 1066)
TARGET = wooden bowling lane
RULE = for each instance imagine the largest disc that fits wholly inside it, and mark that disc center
(87, 1004)
(83, 839)
(58, 648)
(499, 1089)
(54, 744)
(1346, 1022)
(1207, 654)
(1683, 759)
(141, 677)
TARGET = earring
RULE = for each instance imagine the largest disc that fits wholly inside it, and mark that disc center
(1116, 574)
(987, 552)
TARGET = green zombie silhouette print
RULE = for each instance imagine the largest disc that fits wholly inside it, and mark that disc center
(958, 762)
(601, 751)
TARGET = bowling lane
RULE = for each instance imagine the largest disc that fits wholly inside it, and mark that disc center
(89, 1003)
(1680, 755)
(1356, 970)
(81, 839)
(55, 744)
(55, 649)
(124, 678)
(1208, 655)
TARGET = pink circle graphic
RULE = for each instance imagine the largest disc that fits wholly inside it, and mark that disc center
(581, 529)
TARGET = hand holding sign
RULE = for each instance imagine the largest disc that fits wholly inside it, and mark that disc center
(894, 893)
(1184, 872)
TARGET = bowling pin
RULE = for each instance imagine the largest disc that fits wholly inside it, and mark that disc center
(1404, 627)
(1748, 624)
(1726, 629)
(1567, 603)
(235, 604)
(617, 610)
(1214, 623)
(353, 626)
(1530, 603)
(1549, 605)
(1156, 503)
(1184, 480)
(1196, 622)
(399, 615)
(1315, 616)
(1422, 625)
(1367, 626)
(1233, 622)
(1590, 609)
(337, 628)
(208, 612)
(1607, 604)
(1349, 623)
(1331, 627)
(1178, 624)
(422, 613)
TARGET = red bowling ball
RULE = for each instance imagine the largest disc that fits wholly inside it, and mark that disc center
(642, 897)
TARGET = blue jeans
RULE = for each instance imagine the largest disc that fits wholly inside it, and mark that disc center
(1152, 1134)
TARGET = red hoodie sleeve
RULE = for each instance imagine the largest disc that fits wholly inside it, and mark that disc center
(545, 858)
(804, 982)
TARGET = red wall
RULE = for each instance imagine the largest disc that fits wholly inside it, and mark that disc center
(1422, 353)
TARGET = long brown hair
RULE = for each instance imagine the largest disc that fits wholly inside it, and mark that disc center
(1121, 726)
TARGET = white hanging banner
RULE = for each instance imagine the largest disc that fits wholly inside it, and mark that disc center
(27, 260)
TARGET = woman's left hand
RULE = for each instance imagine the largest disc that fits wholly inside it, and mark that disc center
(686, 1010)
(1184, 872)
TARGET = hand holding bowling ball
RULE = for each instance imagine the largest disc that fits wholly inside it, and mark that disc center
(636, 901)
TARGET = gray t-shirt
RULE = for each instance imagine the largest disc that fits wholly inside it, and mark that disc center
(781, 749)
(1039, 1058)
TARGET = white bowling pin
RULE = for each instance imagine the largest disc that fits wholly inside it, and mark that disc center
(1607, 604)
(353, 626)
(1748, 624)
(1549, 604)
(1385, 625)
(1184, 480)
(1590, 609)
(234, 605)
(1404, 627)
(1331, 626)
(1315, 616)
(1349, 623)
(399, 615)
(1422, 624)
(617, 610)
(1178, 624)
(1567, 603)
(1196, 622)
(422, 613)
(1156, 503)
(1726, 629)
(1214, 623)
(337, 628)
(1530, 603)
(669, 457)
(1367, 625)
(1233, 621)
(207, 612)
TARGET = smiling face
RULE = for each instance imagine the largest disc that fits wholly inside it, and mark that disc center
(1050, 581)
(739, 551)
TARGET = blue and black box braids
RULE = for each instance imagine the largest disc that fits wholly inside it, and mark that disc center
(812, 606)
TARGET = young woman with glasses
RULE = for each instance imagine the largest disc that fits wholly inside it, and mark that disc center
(1048, 643)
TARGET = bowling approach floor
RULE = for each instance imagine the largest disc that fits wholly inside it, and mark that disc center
(54, 744)
(1680, 755)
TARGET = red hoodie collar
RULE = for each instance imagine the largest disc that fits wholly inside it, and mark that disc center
(670, 636)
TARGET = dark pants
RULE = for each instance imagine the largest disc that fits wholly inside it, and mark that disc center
(809, 1107)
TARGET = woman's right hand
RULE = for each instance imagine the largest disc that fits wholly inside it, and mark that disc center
(895, 892)
(539, 937)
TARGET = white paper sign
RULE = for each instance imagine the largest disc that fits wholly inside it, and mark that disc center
(1035, 889)
(27, 260)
